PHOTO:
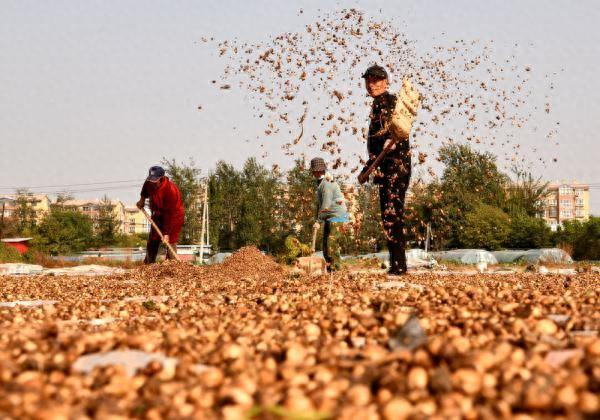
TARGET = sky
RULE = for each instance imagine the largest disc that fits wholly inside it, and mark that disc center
(98, 91)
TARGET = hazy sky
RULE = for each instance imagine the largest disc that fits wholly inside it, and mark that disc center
(94, 91)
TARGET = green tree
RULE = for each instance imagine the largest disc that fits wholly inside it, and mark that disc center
(8, 223)
(25, 214)
(248, 230)
(187, 178)
(582, 239)
(568, 232)
(369, 234)
(225, 197)
(108, 224)
(257, 224)
(470, 179)
(64, 196)
(9, 254)
(587, 244)
(485, 227)
(298, 202)
(528, 232)
(525, 194)
(64, 230)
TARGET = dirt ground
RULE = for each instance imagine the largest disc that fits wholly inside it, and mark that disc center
(247, 339)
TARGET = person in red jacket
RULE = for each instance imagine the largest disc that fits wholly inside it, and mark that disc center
(167, 211)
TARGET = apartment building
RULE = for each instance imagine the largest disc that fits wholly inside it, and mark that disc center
(135, 221)
(92, 208)
(566, 201)
(9, 204)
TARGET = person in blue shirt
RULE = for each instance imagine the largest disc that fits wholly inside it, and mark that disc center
(331, 211)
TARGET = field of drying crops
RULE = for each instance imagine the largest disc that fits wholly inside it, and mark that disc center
(246, 339)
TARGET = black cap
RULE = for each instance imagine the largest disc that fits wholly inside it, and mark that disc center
(376, 72)
(155, 173)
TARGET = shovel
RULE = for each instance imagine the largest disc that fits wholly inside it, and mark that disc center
(364, 175)
(162, 237)
(312, 264)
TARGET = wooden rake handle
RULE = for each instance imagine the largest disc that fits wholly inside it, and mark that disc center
(162, 237)
(313, 245)
(378, 159)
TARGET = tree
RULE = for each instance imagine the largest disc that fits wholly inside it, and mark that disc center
(187, 178)
(582, 238)
(257, 224)
(64, 196)
(568, 232)
(528, 232)
(25, 214)
(587, 244)
(470, 179)
(9, 254)
(298, 206)
(108, 224)
(64, 230)
(369, 236)
(8, 224)
(225, 193)
(525, 194)
(485, 227)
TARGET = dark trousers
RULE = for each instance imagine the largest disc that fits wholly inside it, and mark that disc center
(331, 245)
(152, 247)
(393, 184)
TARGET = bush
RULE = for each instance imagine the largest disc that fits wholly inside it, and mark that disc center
(581, 238)
(485, 227)
(528, 232)
(587, 243)
(131, 241)
(9, 254)
(568, 233)
(64, 230)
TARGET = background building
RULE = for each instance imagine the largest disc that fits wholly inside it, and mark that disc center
(92, 208)
(566, 201)
(39, 203)
(135, 221)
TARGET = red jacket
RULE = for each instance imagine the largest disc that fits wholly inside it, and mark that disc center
(167, 207)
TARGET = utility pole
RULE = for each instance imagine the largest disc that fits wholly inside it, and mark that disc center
(2, 219)
(203, 229)
(427, 237)
(207, 218)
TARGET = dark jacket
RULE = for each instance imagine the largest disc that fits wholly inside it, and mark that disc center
(381, 113)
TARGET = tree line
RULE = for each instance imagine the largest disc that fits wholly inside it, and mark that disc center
(64, 229)
(473, 204)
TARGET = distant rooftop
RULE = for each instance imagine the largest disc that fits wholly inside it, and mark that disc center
(573, 184)
(92, 202)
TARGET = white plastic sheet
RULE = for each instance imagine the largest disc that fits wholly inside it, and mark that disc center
(534, 256)
(219, 257)
(466, 256)
(11, 269)
(414, 258)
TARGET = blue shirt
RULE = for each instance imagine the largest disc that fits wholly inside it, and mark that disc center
(331, 201)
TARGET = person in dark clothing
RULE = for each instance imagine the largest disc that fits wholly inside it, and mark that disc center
(393, 174)
(167, 211)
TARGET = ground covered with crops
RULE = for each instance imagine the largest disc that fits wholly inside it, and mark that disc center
(247, 339)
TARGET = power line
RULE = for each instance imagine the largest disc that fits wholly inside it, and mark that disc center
(84, 190)
(71, 185)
